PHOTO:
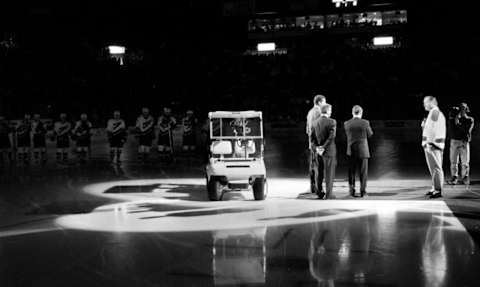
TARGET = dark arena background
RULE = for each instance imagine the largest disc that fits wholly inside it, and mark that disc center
(183, 195)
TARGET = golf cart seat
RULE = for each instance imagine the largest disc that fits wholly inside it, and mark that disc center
(221, 148)
(243, 147)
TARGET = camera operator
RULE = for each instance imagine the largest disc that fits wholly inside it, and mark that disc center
(461, 126)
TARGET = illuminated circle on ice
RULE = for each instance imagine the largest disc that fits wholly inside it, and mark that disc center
(166, 208)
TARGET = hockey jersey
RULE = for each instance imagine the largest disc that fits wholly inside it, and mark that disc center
(144, 125)
(166, 124)
(38, 128)
(188, 124)
(116, 127)
(82, 129)
(23, 129)
(62, 129)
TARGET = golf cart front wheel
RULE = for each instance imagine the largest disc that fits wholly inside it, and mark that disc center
(259, 188)
(215, 189)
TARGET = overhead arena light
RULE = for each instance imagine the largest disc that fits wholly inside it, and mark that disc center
(116, 50)
(266, 47)
(344, 3)
(383, 41)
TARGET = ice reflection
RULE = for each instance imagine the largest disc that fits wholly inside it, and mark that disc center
(323, 255)
(434, 256)
(383, 247)
(340, 251)
(239, 256)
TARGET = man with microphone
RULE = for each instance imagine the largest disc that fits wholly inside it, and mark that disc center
(433, 143)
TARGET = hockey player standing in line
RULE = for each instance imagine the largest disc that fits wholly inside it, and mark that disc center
(117, 136)
(83, 133)
(39, 141)
(189, 123)
(166, 124)
(5, 143)
(63, 129)
(24, 142)
(145, 134)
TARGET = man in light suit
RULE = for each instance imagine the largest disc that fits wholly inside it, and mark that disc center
(358, 131)
(322, 140)
(433, 143)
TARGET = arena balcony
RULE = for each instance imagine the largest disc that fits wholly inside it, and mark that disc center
(348, 23)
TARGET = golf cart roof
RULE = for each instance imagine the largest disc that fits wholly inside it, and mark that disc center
(233, 115)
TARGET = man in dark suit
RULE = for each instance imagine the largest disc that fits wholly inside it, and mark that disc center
(358, 131)
(322, 140)
(312, 115)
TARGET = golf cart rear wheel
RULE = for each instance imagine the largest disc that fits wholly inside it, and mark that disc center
(259, 190)
(215, 190)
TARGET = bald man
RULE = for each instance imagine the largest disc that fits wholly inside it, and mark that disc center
(433, 143)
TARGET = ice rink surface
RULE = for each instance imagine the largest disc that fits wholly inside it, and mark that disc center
(152, 225)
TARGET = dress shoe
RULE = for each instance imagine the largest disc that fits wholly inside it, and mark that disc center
(352, 192)
(363, 194)
(453, 181)
(321, 195)
(430, 193)
(436, 195)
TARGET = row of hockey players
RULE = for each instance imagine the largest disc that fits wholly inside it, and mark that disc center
(144, 129)
(31, 134)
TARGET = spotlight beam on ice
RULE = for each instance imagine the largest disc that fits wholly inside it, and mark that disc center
(181, 205)
(158, 211)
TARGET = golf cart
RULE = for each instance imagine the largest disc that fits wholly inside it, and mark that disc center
(236, 154)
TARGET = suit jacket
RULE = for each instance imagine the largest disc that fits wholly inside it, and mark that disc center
(324, 131)
(312, 115)
(358, 131)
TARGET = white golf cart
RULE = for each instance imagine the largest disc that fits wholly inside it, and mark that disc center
(236, 154)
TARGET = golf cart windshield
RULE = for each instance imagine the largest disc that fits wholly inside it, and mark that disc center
(239, 133)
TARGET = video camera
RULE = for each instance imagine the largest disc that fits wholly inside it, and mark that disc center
(453, 112)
